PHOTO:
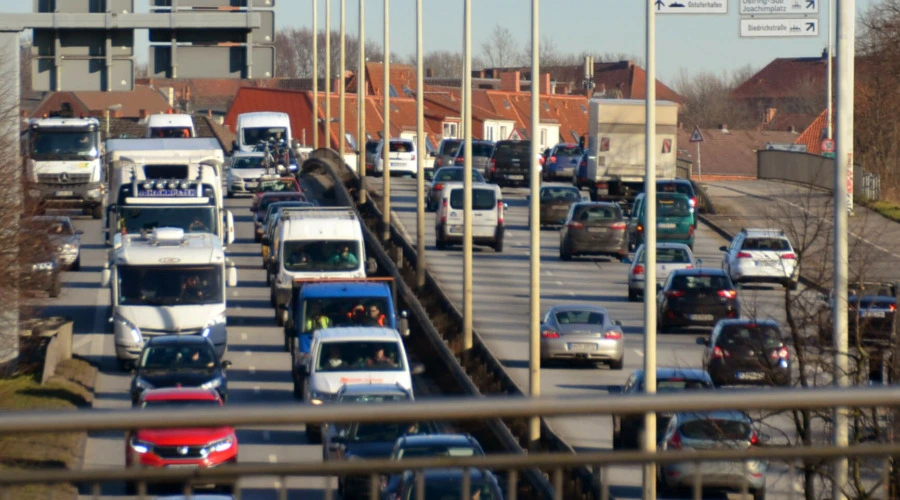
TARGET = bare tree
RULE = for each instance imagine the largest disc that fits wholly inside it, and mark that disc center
(708, 101)
(499, 51)
(295, 58)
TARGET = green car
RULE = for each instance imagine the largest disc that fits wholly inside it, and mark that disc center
(674, 219)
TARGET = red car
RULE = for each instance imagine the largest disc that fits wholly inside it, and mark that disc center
(191, 447)
(275, 185)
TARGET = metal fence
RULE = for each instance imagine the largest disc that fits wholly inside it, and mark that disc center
(447, 410)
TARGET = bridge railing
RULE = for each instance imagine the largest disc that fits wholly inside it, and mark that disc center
(813, 170)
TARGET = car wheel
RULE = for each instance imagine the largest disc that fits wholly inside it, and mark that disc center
(97, 212)
(271, 296)
(790, 284)
(440, 244)
(617, 440)
(617, 364)
(280, 317)
(564, 253)
(314, 434)
(498, 245)
(632, 295)
(298, 390)
(229, 194)
(76, 266)
(256, 236)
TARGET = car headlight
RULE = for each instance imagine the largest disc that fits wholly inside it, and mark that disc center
(69, 246)
(213, 384)
(217, 320)
(142, 384)
(221, 445)
(43, 266)
(131, 328)
(318, 398)
(140, 446)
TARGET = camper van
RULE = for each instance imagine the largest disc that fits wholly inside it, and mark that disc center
(265, 126)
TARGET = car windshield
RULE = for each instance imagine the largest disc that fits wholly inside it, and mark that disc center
(69, 145)
(870, 290)
(380, 433)
(716, 429)
(481, 149)
(372, 147)
(437, 450)
(766, 336)
(192, 356)
(169, 285)
(55, 227)
(181, 403)
(482, 199)
(667, 256)
(360, 356)
(249, 162)
(456, 175)
(568, 150)
(269, 200)
(451, 489)
(701, 282)
(766, 244)
(321, 255)
(275, 207)
(449, 147)
(255, 135)
(344, 311)
(580, 317)
(598, 214)
(672, 207)
(278, 185)
(193, 219)
(675, 187)
(372, 398)
(560, 194)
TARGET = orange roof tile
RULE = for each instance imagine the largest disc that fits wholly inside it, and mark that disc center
(814, 134)
(732, 153)
(785, 78)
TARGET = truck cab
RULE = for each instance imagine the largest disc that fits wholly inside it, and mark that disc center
(167, 282)
(65, 164)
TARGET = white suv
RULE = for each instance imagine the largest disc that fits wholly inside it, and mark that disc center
(761, 256)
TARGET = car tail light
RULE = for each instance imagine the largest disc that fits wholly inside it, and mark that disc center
(601, 185)
(728, 294)
(440, 161)
(444, 210)
(638, 269)
(719, 353)
(744, 255)
(500, 212)
(493, 165)
(782, 353)
(691, 229)
(674, 442)
(460, 160)
(754, 439)
(788, 256)
(675, 293)
(689, 266)
(437, 187)
(893, 307)
(612, 335)
(575, 225)
(618, 226)
(541, 160)
(549, 334)
(552, 159)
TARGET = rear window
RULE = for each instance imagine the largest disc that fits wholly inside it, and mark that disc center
(701, 282)
(580, 318)
(508, 149)
(668, 256)
(672, 207)
(360, 356)
(456, 174)
(715, 429)
(483, 150)
(675, 187)
(560, 193)
(745, 335)
(568, 151)
(599, 214)
(402, 147)
(482, 199)
(371, 147)
(762, 244)
(448, 147)
(676, 384)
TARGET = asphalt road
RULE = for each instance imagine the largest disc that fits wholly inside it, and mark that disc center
(501, 304)
(260, 374)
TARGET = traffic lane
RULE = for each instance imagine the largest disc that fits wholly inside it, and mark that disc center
(872, 241)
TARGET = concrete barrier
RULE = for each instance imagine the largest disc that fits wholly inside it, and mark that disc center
(804, 168)
(45, 341)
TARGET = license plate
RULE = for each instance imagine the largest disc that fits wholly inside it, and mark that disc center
(750, 375)
(666, 225)
(516, 177)
(64, 193)
(582, 347)
(701, 317)
(872, 314)
(182, 466)
(455, 230)
(597, 229)
(397, 164)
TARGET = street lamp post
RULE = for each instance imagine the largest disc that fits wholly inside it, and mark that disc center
(315, 73)
(468, 320)
(386, 136)
(361, 84)
(327, 73)
(342, 128)
(534, 358)
(420, 148)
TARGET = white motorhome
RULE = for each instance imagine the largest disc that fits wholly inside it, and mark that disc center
(65, 163)
(262, 126)
(167, 282)
(313, 243)
(171, 126)
(163, 150)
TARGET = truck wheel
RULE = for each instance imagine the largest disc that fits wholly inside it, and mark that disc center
(229, 194)
(440, 244)
(56, 288)
(498, 245)
(97, 212)
(76, 266)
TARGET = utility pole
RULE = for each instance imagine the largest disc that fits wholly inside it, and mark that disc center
(342, 128)
(386, 140)
(420, 149)
(327, 73)
(468, 320)
(534, 358)
(315, 71)
(362, 83)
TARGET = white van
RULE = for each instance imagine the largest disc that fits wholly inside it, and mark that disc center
(402, 156)
(166, 126)
(262, 126)
(487, 216)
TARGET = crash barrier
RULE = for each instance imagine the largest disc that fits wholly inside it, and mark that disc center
(458, 409)
(444, 321)
(46, 342)
(812, 170)
(427, 340)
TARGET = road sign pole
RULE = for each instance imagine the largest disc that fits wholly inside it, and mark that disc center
(534, 424)
(315, 73)
(386, 139)
(420, 147)
(829, 130)
(699, 165)
(361, 91)
(649, 443)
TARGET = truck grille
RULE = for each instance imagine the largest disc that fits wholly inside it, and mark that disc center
(64, 178)
(155, 333)
(180, 452)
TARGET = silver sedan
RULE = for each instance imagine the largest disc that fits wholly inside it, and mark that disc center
(577, 332)
(63, 234)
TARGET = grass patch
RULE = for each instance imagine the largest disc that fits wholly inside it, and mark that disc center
(889, 209)
(71, 388)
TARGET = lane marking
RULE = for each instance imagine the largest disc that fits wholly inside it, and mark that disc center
(243, 336)
(560, 283)
(237, 293)
(639, 352)
(256, 389)
(248, 353)
(278, 485)
(252, 369)
(571, 294)
(273, 459)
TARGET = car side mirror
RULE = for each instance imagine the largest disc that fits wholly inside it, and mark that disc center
(105, 277)
(417, 369)
(617, 323)
(505, 206)
(371, 266)
(403, 324)
(702, 341)
(226, 364)
(699, 262)
(232, 276)
(724, 249)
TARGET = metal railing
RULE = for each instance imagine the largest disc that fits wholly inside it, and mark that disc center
(446, 410)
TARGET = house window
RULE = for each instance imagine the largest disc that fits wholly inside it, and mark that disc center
(504, 133)
(490, 132)
(450, 129)
(543, 138)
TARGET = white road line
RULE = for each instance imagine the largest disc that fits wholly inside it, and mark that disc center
(267, 436)
(639, 352)
(237, 293)
(252, 369)
(273, 459)
(256, 389)
(572, 294)
(548, 273)
(278, 485)
(248, 353)
(238, 307)
(559, 283)
(243, 336)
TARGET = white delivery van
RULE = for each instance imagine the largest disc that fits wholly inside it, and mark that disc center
(487, 216)
(263, 126)
(402, 157)
(171, 126)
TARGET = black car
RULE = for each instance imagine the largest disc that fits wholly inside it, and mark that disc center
(747, 351)
(441, 484)
(428, 445)
(179, 361)
(510, 164)
(871, 308)
(696, 297)
(41, 269)
(627, 429)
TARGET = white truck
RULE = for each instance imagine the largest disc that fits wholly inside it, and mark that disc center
(164, 125)
(65, 164)
(161, 151)
(167, 282)
(616, 162)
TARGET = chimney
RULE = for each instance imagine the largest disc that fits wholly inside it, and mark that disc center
(336, 85)
(545, 84)
(770, 114)
(509, 81)
(724, 128)
(142, 114)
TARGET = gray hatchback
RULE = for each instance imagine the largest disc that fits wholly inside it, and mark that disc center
(594, 228)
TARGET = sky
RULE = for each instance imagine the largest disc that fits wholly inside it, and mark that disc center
(693, 43)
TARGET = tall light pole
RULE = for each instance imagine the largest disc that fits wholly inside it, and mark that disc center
(386, 139)
(649, 444)
(342, 128)
(327, 73)
(829, 130)
(534, 358)
(361, 90)
(843, 193)
(420, 149)
(315, 74)
(468, 313)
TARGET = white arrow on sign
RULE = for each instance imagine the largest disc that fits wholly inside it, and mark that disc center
(691, 6)
(778, 7)
(752, 28)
